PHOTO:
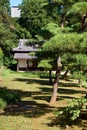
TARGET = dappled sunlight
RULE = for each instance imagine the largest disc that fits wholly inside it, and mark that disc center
(35, 94)
(33, 80)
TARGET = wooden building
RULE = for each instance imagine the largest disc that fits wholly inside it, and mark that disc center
(25, 61)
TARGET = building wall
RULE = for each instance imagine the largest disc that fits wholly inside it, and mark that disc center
(32, 64)
(15, 11)
(22, 63)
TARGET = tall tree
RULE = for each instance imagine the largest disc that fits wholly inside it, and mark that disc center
(33, 16)
(7, 40)
(4, 10)
(61, 44)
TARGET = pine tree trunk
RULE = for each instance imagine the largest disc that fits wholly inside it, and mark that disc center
(62, 21)
(83, 22)
(55, 85)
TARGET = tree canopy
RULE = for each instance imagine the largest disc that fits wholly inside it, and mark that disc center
(33, 16)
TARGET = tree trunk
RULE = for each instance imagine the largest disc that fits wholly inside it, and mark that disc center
(62, 21)
(55, 85)
(83, 22)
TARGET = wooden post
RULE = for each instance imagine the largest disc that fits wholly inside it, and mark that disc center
(17, 66)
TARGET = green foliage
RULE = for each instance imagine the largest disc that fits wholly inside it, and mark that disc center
(81, 59)
(72, 48)
(33, 16)
(53, 29)
(83, 44)
(2, 103)
(79, 69)
(8, 96)
(22, 33)
(4, 5)
(1, 57)
(4, 12)
(79, 7)
(7, 34)
(73, 110)
(45, 64)
(81, 77)
(77, 15)
(6, 43)
(63, 42)
(32, 53)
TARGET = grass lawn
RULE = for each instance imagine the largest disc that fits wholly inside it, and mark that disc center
(34, 112)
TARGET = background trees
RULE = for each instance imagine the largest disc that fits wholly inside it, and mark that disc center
(33, 16)
(79, 9)
(7, 37)
(4, 11)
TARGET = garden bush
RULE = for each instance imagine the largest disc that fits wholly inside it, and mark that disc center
(9, 96)
(73, 110)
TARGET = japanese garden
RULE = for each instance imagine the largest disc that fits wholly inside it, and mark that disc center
(43, 65)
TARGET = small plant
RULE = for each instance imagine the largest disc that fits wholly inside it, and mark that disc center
(2, 103)
(73, 110)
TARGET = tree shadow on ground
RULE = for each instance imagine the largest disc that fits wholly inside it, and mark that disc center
(68, 84)
(32, 80)
(27, 108)
(45, 91)
(66, 97)
(30, 109)
(68, 91)
(65, 123)
(61, 90)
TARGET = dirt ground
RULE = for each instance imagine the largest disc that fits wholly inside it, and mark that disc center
(34, 111)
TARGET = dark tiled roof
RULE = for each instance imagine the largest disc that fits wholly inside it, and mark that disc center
(23, 56)
(22, 47)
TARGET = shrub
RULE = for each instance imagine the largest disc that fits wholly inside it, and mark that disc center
(9, 96)
(2, 103)
(73, 110)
